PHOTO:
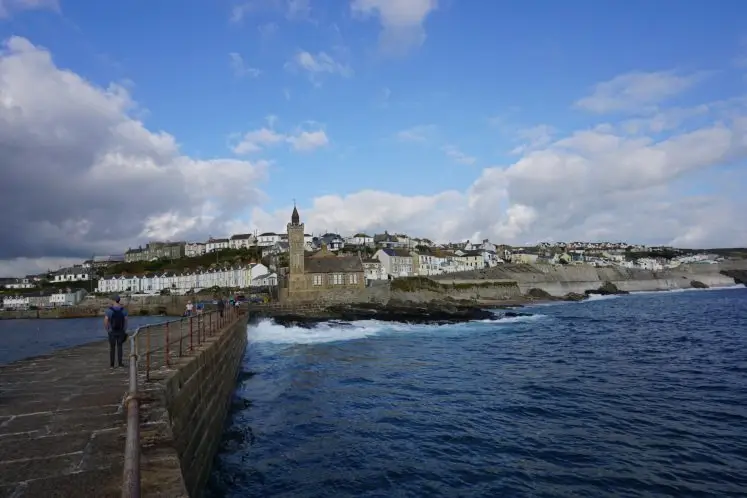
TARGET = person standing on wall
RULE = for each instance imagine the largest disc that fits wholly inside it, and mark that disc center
(221, 305)
(115, 324)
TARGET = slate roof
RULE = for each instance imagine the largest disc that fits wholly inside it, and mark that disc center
(332, 264)
(402, 253)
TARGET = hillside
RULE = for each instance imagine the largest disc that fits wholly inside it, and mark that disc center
(221, 258)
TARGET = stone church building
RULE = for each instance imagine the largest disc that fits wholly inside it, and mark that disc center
(322, 274)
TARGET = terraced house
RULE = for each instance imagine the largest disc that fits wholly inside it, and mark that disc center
(155, 250)
(241, 277)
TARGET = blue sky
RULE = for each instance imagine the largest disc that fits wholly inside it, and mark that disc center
(419, 119)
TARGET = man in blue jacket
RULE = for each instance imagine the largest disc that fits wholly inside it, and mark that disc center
(115, 323)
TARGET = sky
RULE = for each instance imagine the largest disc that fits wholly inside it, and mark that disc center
(127, 122)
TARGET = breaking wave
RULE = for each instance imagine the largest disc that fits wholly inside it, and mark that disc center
(268, 331)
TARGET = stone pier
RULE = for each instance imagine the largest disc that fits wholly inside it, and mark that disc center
(62, 425)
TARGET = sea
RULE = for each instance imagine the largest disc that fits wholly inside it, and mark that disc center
(643, 395)
(21, 339)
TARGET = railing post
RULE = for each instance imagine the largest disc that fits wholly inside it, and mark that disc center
(131, 468)
(166, 347)
(191, 342)
(210, 327)
(181, 335)
(147, 354)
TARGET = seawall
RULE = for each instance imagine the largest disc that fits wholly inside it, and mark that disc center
(184, 414)
(559, 280)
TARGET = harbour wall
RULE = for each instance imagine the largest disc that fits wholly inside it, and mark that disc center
(559, 280)
(188, 409)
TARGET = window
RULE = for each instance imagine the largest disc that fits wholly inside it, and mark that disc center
(318, 280)
(336, 279)
(353, 278)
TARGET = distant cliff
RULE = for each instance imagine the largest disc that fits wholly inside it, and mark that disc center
(559, 280)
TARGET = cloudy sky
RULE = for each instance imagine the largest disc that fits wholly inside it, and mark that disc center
(123, 122)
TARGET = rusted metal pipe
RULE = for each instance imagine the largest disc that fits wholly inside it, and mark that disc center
(131, 472)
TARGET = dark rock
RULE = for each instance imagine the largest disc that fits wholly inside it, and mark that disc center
(606, 289)
(538, 293)
(696, 284)
(510, 314)
(394, 311)
(574, 296)
(739, 276)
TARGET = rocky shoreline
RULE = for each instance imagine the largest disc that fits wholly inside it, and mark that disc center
(436, 312)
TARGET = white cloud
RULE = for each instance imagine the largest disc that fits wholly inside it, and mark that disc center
(8, 7)
(458, 156)
(74, 158)
(599, 183)
(533, 138)
(291, 9)
(317, 65)
(401, 21)
(300, 140)
(636, 91)
(308, 140)
(267, 30)
(419, 133)
(240, 68)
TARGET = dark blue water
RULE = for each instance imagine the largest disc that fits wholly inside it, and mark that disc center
(636, 396)
(26, 338)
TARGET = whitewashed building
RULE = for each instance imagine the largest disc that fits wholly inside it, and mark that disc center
(194, 249)
(67, 298)
(20, 283)
(396, 262)
(268, 239)
(74, 274)
(213, 245)
(373, 270)
(16, 302)
(179, 283)
(242, 241)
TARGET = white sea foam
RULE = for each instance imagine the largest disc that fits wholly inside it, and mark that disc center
(270, 332)
(599, 297)
(730, 287)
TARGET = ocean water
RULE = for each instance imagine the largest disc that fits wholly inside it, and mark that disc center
(634, 396)
(21, 339)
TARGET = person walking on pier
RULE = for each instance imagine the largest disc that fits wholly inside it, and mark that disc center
(115, 323)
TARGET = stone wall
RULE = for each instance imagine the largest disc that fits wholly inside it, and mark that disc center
(191, 406)
(559, 280)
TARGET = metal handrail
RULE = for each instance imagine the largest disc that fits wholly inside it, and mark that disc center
(200, 327)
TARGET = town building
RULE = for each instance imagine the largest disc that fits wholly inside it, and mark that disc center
(194, 249)
(214, 245)
(324, 272)
(242, 241)
(155, 250)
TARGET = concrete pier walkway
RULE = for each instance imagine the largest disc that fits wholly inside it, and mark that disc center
(62, 425)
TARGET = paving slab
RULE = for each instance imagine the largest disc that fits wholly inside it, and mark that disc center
(62, 425)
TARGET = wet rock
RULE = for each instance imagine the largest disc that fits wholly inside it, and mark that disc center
(574, 296)
(433, 312)
(697, 284)
(536, 293)
(606, 289)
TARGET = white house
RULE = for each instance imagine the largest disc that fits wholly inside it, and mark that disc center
(374, 270)
(242, 241)
(213, 245)
(194, 249)
(360, 239)
(74, 274)
(265, 280)
(268, 239)
(179, 283)
(16, 302)
(396, 262)
(67, 298)
(20, 283)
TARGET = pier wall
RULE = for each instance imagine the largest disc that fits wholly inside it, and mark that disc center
(188, 412)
